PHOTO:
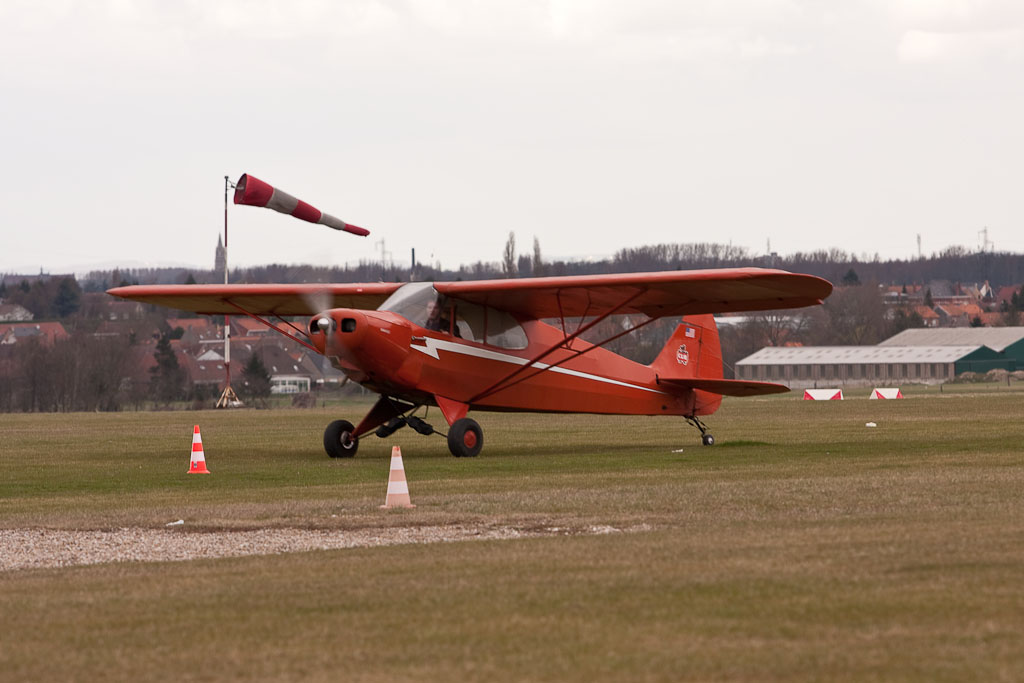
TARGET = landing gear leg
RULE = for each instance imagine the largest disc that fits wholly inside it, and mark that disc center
(705, 435)
(341, 439)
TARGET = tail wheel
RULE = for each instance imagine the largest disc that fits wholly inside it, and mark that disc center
(339, 440)
(465, 438)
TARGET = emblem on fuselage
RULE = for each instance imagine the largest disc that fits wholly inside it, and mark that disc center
(682, 355)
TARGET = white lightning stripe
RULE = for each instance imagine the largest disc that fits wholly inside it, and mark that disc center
(432, 346)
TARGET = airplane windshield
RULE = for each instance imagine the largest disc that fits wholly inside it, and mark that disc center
(410, 301)
(416, 302)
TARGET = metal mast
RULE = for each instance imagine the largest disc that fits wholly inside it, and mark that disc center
(228, 398)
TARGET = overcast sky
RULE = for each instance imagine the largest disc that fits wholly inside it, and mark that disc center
(592, 125)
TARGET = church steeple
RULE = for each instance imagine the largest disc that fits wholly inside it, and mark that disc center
(221, 257)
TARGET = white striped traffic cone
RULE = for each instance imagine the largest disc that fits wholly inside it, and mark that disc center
(198, 463)
(398, 487)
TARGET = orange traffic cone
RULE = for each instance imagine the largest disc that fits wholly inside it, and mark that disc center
(398, 487)
(198, 462)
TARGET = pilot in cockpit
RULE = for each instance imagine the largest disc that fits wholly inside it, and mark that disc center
(437, 321)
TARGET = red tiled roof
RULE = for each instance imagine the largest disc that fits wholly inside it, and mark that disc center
(956, 310)
(196, 324)
(48, 332)
(1006, 293)
(249, 326)
(991, 319)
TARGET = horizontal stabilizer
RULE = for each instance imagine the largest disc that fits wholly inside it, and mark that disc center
(727, 387)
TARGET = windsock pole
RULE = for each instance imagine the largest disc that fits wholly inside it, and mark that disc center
(228, 397)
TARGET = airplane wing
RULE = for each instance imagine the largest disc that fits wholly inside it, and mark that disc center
(660, 294)
(281, 300)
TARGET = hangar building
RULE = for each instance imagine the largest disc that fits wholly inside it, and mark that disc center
(811, 366)
(1009, 341)
(923, 356)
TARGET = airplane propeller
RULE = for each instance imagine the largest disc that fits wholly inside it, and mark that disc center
(319, 301)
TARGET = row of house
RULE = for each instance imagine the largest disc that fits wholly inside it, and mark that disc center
(199, 350)
(47, 332)
(946, 304)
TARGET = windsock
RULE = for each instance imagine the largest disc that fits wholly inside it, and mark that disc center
(254, 192)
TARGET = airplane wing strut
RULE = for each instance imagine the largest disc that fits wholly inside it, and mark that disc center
(272, 326)
(575, 354)
(504, 382)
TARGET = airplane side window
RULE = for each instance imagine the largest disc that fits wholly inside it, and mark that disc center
(504, 331)
(469, 318)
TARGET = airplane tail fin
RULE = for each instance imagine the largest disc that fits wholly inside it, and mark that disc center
(692, 351)
(692, 359)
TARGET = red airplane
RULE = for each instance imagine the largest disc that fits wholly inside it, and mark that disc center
(484, 346)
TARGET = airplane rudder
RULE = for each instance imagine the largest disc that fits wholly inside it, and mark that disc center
(709, 364)
(684, 353)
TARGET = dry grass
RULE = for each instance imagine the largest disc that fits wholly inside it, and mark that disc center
(803, 546)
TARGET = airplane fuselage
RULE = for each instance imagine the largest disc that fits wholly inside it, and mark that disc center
(390, 355)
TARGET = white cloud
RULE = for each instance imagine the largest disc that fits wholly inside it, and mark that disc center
(956, 15)
(653, 29)
(943, 47)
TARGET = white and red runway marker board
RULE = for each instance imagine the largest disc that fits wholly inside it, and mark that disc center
(823, 394)
(887, 393)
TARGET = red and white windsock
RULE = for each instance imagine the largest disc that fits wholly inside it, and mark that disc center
(398, 487)
(254, 192)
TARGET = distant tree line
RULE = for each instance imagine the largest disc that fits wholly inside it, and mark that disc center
(46, 298)
(84, 372)
(955, 264)
(87, 373)
(78, 373)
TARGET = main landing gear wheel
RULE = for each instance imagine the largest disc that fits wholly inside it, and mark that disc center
(339, 442)
(707, 440)
(465, 438)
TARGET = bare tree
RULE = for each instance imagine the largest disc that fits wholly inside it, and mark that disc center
(509, 256)
(538, 262)
(852, 315)
(775, 328)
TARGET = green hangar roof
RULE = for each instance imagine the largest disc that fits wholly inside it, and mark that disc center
(996, 338)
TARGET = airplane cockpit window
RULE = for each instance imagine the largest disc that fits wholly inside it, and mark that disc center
(420, 304)
(410, 301)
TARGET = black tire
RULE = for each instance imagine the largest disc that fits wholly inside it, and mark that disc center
(465, 438)
(707, 440)
(339, 441)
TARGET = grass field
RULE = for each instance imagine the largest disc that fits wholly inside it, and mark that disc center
(802, 546)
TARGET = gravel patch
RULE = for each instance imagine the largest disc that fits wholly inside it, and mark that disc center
(40, 548)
